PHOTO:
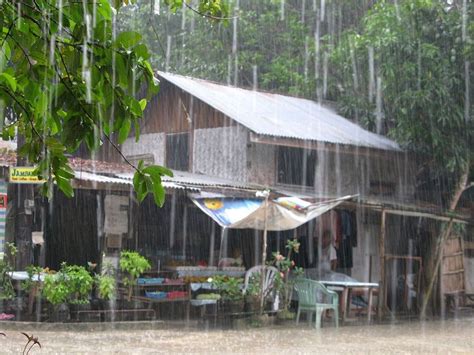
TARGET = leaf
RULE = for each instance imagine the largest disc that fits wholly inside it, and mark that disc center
(64, 185)
(128, 39)
(139, 185)
(124, 130)
(9, 80)
(159, 193)
(143, 103)
(156, 170)
(136, 107)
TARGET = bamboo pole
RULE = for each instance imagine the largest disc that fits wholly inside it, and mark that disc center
(462, 185)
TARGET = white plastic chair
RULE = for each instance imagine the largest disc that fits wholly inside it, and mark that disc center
(269, 275)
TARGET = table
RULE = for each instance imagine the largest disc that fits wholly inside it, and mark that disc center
(23, 275)
(346, 287)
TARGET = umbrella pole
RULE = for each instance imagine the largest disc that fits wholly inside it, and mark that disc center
(264, 253)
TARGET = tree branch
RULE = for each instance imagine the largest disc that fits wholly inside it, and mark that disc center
(87, 113)
(14, 98)
(207, 15)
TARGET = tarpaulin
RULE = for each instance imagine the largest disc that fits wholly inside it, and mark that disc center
(283, 213)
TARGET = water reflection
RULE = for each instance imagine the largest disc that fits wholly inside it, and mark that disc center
(453, 336)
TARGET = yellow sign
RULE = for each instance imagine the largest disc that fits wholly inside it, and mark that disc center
(24, 175)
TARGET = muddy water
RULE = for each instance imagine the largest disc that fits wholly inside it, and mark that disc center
(454, 336)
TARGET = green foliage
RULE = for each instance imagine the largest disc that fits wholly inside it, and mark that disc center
(230, 288)
(205, 49)
(132, 264)
(420, 55)
(55, 288)
(106, 282)
(71, 80)
(29, 283)
(6, 266)
(284, 282)
(148, 180)
(106, 286)
(72, 283)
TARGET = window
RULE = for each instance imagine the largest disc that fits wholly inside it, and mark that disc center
(177, 151)
(296, 166)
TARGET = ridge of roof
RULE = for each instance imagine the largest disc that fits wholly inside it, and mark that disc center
(279, 115)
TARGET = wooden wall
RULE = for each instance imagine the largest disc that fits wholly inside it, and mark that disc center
(168, 112)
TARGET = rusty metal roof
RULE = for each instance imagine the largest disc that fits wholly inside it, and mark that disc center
(280, 116)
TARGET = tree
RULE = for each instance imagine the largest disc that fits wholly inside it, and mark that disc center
(68, 77)
(413, 59)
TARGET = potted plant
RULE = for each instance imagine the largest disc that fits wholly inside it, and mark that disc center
(230, 289)
(72, 285)
(106, 286)
(132, 265)
(285, 280)
(56, 291)
(6, 266)
(252, 293)
(32, 285)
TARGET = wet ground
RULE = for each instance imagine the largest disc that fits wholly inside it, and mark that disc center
(434, 337)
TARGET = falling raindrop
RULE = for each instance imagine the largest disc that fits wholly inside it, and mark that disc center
(156, 6)
(378, 104)
(354, 67)
(168, 52)
(397, 9)
(229, 69)
(323, 9)
(183, 16)
(255, 77)
(325, 74)
(303, 10)
(282, 10)
(371, 73)
(467, 94)
(306, 58)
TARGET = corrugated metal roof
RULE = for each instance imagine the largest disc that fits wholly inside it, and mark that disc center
(125, 179)
(86, 176)
(191, 180)
(280, 116)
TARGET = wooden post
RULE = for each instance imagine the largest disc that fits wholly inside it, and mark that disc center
(381, 298)
(264, 253)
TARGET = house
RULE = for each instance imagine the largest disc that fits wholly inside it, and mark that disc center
(204, 130)
(232, 142)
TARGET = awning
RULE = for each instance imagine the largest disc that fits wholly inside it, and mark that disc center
(283, 213)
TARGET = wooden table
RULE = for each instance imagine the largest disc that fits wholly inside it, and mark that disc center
(346, 288)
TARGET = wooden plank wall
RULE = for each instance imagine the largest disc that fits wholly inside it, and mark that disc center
(168, 112)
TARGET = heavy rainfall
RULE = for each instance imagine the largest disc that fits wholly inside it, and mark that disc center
(237, 176)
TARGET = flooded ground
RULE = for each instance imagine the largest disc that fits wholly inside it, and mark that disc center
(441, 337)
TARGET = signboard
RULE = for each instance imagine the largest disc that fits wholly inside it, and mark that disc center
(116, 214)
(3, 214)
(3, 200)
(24, 175)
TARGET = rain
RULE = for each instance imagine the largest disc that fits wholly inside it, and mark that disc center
(237, 176)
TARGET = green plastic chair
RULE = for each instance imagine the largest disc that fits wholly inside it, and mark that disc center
(311, 295)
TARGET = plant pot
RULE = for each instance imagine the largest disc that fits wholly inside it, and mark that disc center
(231, 307)
(126, 304)
(59, 313)
(108, 305)
(252, 304)
(285, 316)
(74, 308)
